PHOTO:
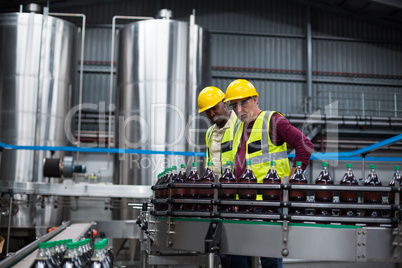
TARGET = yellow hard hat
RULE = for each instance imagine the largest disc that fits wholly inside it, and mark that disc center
(240, 89)
(209, 97)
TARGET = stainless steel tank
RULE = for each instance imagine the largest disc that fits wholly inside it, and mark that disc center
(37, 76)
(162, 65)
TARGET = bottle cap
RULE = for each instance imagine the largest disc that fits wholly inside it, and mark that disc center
(372, 166)
(348, 165)
(49, 244)
(174, 167)
(42, 245)
(210, 163)
(397, 168)
(169, 169)
(228, 162)
(182, 165)
(194, 164)
(273, 163)
(298, 163)
(324, 164)
(248, 162)
(98, 245)
(71, 245)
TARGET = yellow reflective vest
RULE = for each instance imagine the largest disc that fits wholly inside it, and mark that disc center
(226, 142)
(260, 149)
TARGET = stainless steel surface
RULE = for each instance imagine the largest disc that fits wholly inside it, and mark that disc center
(68, 188)
(119, 229)
(154, 63)
(83, 28)
(38, 59)
(305, 241)
(37, 75)
(153, 91)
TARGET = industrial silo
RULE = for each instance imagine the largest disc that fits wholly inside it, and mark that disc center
(37, 76)
(162, 65)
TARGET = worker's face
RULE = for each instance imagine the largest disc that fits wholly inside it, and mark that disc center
(218, 114)
(244, 108)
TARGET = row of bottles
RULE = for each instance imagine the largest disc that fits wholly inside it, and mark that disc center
(69, 254)
(169, 175)
(272, 177)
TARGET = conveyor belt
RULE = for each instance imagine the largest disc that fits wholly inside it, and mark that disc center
(321, 242)
(21, 260)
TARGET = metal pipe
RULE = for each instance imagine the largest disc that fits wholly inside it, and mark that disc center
(211, 260)
(81, 70)
(363, 158)
(309, 53)
(10, 213)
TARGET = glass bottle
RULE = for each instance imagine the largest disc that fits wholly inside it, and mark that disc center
(178, 193)
(58, 251)
(272, 177)
(49, 250)
(249, 178)
(298, 195)
(158, 193)
(396, 179)
(192, 177)
(227, 177)
(208, 177)
(165, 192)
(348, 197)
(42, 260)
(98, 257)
(71, 257)
(372, 197)
(324, 196)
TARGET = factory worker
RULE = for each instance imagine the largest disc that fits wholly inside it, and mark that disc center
(219, 136)
(262, 136)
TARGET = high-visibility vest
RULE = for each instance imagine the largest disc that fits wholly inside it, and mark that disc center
(260, 149)
(226, 142)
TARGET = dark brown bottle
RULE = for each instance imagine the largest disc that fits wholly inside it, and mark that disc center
(227, 177)
(395, 181)
(301, 196)
(272, 177)
(208, 177)
(249, 178)
(372, 197)
(324, 196)
(348, 197)
(158, 193)
(192, 193)
(165, 192)
(178, 193)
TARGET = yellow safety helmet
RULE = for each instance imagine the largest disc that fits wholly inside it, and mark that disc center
(209, 97)
(240, 89)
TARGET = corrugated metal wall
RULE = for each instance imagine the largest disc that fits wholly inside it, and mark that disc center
(357, 63)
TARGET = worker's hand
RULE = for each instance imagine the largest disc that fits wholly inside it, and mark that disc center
(292, 171)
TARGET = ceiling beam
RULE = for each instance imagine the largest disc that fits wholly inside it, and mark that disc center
(392, 3)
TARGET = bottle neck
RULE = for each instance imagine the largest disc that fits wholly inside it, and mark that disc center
(298, 169)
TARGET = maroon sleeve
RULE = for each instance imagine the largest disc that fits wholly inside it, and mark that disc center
(281, 131)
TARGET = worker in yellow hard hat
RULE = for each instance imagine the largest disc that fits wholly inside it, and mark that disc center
(219, 136)
(262, 136)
